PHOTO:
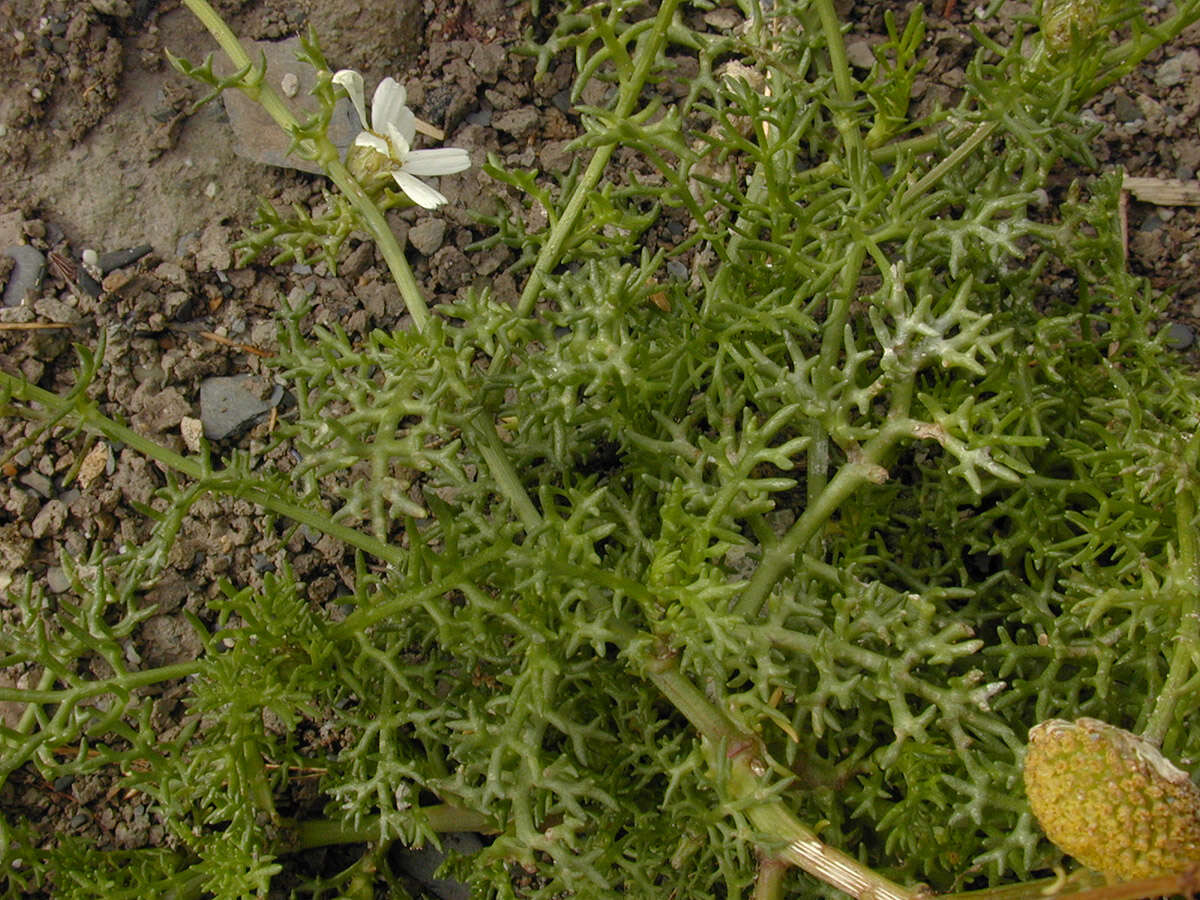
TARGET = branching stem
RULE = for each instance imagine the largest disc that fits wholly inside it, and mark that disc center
(1186, 587)
(866, 467)
(87, 416)
(648, 50)
(325, 153)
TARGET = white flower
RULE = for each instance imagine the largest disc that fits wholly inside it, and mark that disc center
(393, 128)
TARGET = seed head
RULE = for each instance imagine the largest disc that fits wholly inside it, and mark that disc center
(1111, 799)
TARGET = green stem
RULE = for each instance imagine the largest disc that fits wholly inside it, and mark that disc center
(441, 818)
(491, 448)
(768, 884)
(630, 91)
(981, 133)
(129, 681)
(866, 467)
(1186, 577)
(90, 418)
(748, 779)
(846, 122)
(1040, 889)
(326, 155)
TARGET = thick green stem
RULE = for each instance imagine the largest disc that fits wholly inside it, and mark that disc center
(1186, 648)
(441, 818)
(127, 682)
(490, 447)
(748, 783)
(846, 122)
(981, 133)
(768, 883)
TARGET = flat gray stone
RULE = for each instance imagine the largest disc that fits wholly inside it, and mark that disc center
(26, 276)
(256, 135)
(517, 122)
(427, 236)
(232, 404)
(420, 864)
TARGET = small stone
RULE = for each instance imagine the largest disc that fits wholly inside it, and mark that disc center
(163, 411)
(1180, 336)
(1176, 68)
(860, 54)
(38, 483)
(213, 252)
(290, 84)
(487, 60)
(49, 520)
(115, 280)
(517, 122)
(427, 236)
(10, 227)
(118, 259)
(57, 580)
(724, 19)
(555, 157)
(26, 277)
(117, 8)
(1126, 109)
(232, 404)
(193, 433)
(54, 310)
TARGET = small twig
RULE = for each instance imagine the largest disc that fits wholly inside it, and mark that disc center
(235, 344)
(33, 326)
(430, 130)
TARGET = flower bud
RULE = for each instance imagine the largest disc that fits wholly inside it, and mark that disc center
(1060, 18)
(1111, 799)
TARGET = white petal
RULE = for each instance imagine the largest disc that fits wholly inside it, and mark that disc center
(388, 109)
(442, 161)
(400, 145)
(374, 141)
(418, 191)
(352, 83)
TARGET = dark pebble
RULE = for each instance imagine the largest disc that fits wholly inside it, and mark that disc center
(1180, 336)
(118, 259)
(87, 283)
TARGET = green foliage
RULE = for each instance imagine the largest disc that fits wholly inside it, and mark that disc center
(806, 517)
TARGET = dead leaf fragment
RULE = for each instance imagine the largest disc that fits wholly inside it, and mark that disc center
(94, 463)
(1163, 191)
